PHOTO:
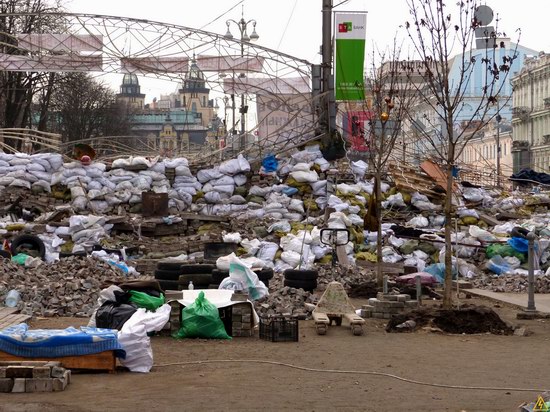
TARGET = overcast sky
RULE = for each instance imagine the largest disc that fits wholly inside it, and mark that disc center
(294, 26)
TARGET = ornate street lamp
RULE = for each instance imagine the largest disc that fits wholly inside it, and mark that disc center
(242, 26)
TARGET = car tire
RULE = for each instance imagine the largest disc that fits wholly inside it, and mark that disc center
(167, 274)
(301, 275)
(219, 275)
(264, 274)
(170, 264)
(197, 269)
(169, 284)
(200, 280)
(32, 241)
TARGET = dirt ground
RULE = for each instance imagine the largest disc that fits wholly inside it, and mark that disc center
(245, 385)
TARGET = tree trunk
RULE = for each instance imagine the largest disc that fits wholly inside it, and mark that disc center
(378, 201)
(45, 104)
(447, 296)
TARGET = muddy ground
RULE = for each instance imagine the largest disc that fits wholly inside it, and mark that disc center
(244, 385)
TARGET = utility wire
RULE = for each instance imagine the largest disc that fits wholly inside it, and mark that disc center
(221, 15)
(287, 24)
(352, 372)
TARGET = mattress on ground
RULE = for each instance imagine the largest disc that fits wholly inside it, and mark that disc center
(19, 340)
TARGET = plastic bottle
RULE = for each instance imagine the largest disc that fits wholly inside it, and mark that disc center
(191, 286)
(12, 298)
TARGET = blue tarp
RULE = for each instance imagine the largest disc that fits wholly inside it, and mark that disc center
(19, 340)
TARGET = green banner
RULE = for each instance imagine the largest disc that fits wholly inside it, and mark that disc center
(350, 57)
(350, 32)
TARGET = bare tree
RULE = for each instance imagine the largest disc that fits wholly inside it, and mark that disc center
(438, 33)
(392, 96)
(17, 89)
(86, 108)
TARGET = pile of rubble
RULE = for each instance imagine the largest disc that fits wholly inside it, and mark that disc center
(69, 287)
(512, 283)
(286, 301)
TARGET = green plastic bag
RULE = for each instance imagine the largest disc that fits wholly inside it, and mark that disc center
(20, 258)
(504, 250)
(201, 320)
(143, 300)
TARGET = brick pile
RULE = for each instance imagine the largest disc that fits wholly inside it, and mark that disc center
(384, 306)
(241, 320)
(33, 376)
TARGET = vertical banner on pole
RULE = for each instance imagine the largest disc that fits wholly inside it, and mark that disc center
(350, 55)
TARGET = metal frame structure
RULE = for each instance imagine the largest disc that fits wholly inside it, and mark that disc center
(159, 50)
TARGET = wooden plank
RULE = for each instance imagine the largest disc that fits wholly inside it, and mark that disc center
(7, 311)
(342, 256)
(105, 361)
(436, 173)
(13, 319)
(490, 220)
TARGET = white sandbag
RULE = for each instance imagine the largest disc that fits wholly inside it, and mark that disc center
(421, 202)
(19, 161)
(158, 167)
(43, 185)
(206, 175)
(293, 216)
(267, 251)
(80, 203)
(305, 177)
(282, 226)
(418, 221)
(296, 205)
(337, 204)
(481, 234)
(45, 176)
(126, 185)
(301, 167)
(135, 341)
(183, 171)
(259, 191)
(140, 161)
(251, 246)
(37, 167)
(356, 220)
(290, 257)
(174, 163)
(212, 197)
(121, 163)
(235, 166)
(226, 190)
(394, 201)
(240, 179)
(55, 160)
(94, 171)
(20, 183)
(319, 251)
(223, 181)
(346, 189)
(234, 237)
(359, 168)
(323, 164)
(319, 187)
(467, 212)
(237, 200)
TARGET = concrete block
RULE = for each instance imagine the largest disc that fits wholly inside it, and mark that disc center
(237, 310)
(19, 372)
(246, 326)
(67, 376)
(58, 372)
(19, 385)
(41, 372)
(377, 315)
(403, 298)
(237, 318)
(33, 363)
(2, 372)
(381, 296)
(373, 301)
(6, 385)
(396, 304)
(367, 307)
(59, 384)
(38, 385)
(247, 318)
(387, 315)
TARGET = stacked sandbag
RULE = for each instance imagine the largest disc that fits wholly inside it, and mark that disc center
(220, 187)
(28, 171)
(185, 185)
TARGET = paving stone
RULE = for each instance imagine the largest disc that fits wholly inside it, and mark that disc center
(19, 385)
(41, 372)
(38, 385)
(6, 385)
(19, 372)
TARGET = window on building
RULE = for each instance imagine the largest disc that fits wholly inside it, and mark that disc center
(194, 107)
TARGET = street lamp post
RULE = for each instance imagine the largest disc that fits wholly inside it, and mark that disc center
(242, 25)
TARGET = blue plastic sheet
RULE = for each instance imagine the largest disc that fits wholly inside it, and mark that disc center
(270, 164)
(519, 244)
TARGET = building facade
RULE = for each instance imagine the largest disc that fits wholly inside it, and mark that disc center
(531, 114)
(180, 123)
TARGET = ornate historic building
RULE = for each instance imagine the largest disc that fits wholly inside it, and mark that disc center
(531, 114)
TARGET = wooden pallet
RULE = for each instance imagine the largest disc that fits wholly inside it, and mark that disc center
(9, 317)
(103, 361)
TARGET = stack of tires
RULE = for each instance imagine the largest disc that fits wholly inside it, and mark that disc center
(265, 275)
(301, 279)
(168, 273)
(199, 274)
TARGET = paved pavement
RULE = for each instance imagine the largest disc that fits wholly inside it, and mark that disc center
(542, 300)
